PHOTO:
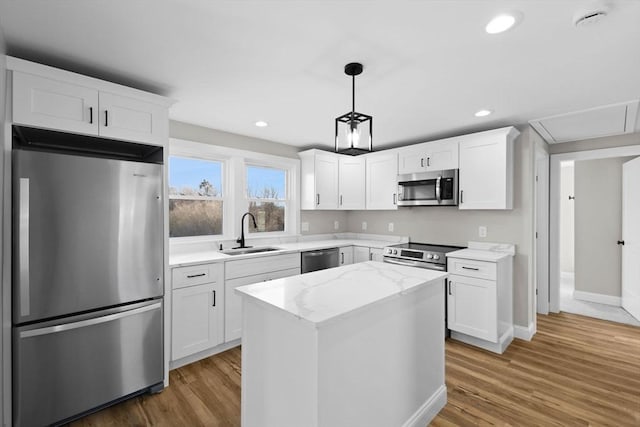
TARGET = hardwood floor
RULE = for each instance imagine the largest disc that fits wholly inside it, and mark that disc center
(576, 371)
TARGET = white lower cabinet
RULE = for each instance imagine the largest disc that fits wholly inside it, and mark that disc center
(197, 309)
(375, 254)
(346, 255)
(197, 319)
(479, 300)
(248, 271)
(362, 254)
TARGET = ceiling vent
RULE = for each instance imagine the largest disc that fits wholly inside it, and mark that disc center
(608, 120)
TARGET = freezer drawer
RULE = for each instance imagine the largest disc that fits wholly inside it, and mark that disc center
(62, 370)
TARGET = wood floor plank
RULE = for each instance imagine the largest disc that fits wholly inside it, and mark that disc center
(577, 371)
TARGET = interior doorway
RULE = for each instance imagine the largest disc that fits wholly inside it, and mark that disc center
(586, 208)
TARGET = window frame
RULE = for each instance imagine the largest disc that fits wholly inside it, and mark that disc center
(286, 200)
(235, 201)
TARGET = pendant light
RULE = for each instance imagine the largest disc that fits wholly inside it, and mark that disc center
(354, 130)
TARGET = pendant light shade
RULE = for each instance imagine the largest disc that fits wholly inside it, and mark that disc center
(354, 131)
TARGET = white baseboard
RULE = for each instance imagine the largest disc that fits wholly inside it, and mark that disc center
(495, 347)
(523, 333)
(174, 364)
(599, 298)
(429, 409)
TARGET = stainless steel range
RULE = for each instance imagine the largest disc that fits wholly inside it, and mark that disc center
(420, 255)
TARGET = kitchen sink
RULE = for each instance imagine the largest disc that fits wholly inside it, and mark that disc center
(243, 251)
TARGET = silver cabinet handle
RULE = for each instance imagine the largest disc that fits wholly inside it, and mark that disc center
(428, 161)
(88, 322)
(450, 288)
(471, 268)
(461, 196)
(421, 163)
(438, 190)
(90, 115)
(342, 257)
(318, 199)
(191, 276)
(106, 118)
(214, 298)
(370, 256)
(23, 246)
(394, 199)
(341, 200)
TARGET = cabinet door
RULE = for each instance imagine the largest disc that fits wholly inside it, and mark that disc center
(197, 319)
(360, 254)
(412, 159)
(233, 302)
(486, 172)
(382, 180)
(42, 102)
(472, 307)
(326, 179)
(375, 254)
(346, 255)
(130, 119)
(441, 155)
(351, 176)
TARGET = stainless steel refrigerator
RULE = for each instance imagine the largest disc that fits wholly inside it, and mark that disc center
(88, 279)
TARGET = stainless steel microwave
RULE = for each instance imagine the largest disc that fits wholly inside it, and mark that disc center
(436, 188)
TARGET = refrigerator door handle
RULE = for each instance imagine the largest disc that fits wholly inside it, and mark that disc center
(23, 246)
(88, 322)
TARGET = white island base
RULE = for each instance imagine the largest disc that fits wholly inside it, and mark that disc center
(320, 351)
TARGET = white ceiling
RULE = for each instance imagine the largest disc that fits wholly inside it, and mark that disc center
(429, 65)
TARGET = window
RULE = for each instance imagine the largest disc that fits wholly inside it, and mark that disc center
(267, 197)
(195, 197)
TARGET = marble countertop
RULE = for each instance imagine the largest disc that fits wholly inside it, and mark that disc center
(325, 295)
(199, 257)
(479, 254)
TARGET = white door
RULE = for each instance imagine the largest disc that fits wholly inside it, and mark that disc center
(472, 307)
(412, 159)
(346, 255)
(351, 182)
(442, 155)
(360, 254)
(326, 181)
(130, 119)
(382, 181)
(631, 237)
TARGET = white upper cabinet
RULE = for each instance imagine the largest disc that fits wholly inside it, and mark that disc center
(319, 180)
(486, 169)
(381, 180)
(131, 119)
(47, 103)
(50, 98)
(351, 177)
(429, 156)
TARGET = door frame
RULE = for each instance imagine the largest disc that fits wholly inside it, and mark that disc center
(554, 209)
(541, 227)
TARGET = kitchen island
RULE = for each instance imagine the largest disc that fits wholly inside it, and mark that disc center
(361, 344)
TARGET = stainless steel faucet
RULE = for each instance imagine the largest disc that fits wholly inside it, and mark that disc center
(241, 239)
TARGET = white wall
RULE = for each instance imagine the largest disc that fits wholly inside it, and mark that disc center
(598, 225)
(566, 218)
(448, 225)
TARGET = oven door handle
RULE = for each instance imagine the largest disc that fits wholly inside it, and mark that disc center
(438, 195)
(401, 262)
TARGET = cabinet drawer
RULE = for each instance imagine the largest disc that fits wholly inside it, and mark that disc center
(195, 275)
(260, 265)
(471, 268)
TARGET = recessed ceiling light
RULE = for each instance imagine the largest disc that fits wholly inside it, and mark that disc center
(262, 124)
(501, 23)
(483, 113)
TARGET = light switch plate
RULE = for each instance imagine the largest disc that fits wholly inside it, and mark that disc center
(336, 225)
(390, 226)
(364, 225)
(304, 226)
(482, 231)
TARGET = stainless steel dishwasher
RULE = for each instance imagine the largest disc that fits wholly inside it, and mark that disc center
(319, 260)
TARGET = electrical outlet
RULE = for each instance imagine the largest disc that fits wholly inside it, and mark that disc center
(364, 225)
(482, 231)
(336, 225)
(390, 226)
(304, 226)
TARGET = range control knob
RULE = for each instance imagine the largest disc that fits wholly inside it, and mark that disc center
(395, 251)
(429, 256)
(436, 257)
(389, 251)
